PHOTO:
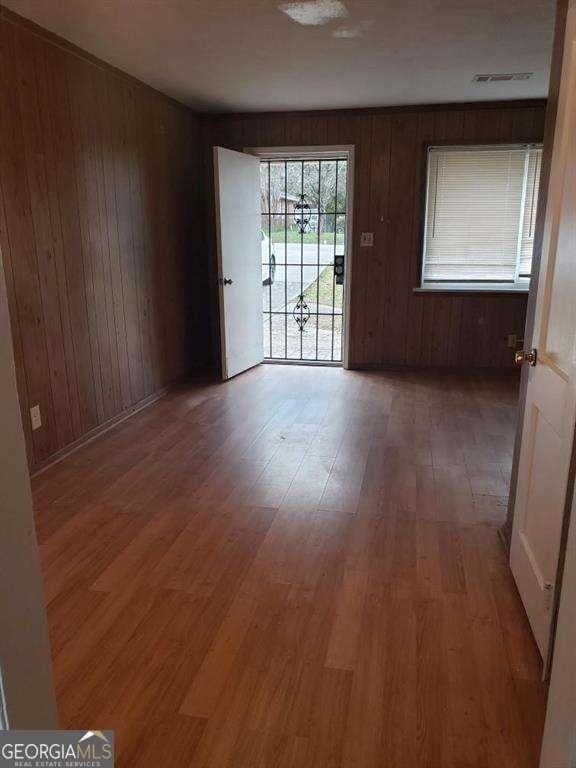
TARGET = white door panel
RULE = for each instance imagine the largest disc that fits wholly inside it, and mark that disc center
(237, 198)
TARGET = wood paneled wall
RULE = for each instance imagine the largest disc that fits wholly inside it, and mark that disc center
(99, 232)
(390, 324)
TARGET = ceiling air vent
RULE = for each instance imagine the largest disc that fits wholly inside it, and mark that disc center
(502, 77)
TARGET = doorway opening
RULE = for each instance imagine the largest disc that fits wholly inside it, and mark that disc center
(305, 235)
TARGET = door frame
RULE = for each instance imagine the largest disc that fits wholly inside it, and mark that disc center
(321, 152)
(27, 697)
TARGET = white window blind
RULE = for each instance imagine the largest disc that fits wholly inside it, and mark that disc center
(480, 215)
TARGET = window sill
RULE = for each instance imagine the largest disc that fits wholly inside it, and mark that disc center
(460, 291)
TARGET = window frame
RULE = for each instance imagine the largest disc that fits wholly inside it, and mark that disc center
(475, 287)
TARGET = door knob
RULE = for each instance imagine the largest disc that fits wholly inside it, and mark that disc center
(524, 356)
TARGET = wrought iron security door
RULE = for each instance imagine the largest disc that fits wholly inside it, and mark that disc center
(303, 258)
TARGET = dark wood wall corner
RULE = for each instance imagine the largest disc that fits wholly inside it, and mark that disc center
(100, 229)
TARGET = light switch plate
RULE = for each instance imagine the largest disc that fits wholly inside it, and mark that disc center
(35, 417)
(367, 239)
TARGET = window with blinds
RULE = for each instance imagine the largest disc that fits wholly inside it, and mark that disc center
(480, 215)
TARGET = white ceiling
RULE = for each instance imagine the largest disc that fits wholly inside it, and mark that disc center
(240, 55)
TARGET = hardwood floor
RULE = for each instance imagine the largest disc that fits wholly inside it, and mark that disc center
(297, 568)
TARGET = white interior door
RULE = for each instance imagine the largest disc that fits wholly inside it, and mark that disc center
(237, 191)
(551, 397)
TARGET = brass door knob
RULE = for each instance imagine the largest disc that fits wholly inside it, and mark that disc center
(525, 356)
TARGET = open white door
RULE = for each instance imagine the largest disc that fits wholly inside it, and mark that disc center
(549, 419)
(237, 199)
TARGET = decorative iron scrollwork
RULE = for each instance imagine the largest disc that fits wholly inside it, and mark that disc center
(301, 313)
(302, 215)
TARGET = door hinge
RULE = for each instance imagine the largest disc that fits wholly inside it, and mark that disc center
(524, 356)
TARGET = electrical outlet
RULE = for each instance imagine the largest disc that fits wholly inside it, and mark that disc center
(367, 239)
(512, 340)
(35, 417)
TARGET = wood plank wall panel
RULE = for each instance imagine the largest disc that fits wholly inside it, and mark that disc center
(100, 234)
(390, 325)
